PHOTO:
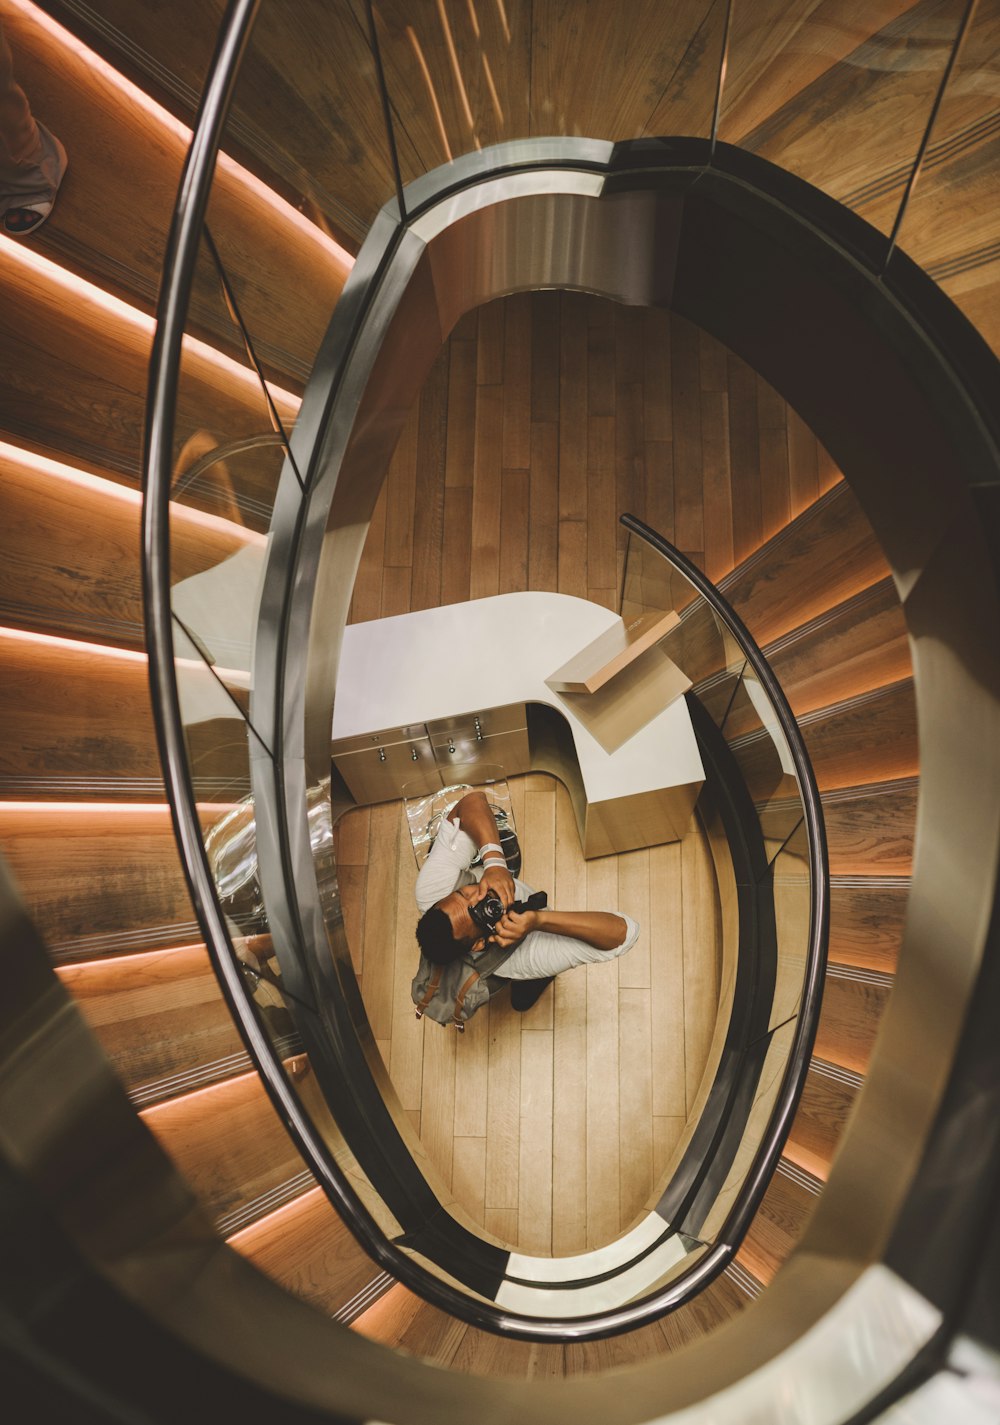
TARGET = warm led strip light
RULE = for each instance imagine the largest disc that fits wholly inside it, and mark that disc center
(103, 808)
(112, 490)
(106, 650)
(137, 98)
(72, 645)
(299, 1204)
(82, 291)
(136, 957)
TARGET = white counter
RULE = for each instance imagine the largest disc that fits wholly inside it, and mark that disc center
(440, 663)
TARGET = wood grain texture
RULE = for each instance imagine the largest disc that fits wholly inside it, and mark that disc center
(866, 923)
(849, 1019)
(228, 1143)
(160, 1018)
(709, 1310)
(856, 646)
(603, 408)
(779, 1223)
(870, 829)
(826, 555)
(822, 1115)
(287, 280)
(91, 877)
(307, 1248)
(54, 581)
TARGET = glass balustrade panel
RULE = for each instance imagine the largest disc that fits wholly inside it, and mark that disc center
(304, 167)
(951, 226)
(228, 443)
(764, 1073)
(221, 743)
(699, 643)
(464, 75)
(839, 94)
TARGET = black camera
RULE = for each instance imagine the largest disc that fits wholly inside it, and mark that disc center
(488, 913)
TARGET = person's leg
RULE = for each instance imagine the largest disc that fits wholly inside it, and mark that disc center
(18, 131)
(32, 160)
(525, 993)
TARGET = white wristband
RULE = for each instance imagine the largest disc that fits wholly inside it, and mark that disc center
(493, 861)
(490, 846)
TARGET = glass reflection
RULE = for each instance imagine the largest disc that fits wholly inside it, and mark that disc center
(464, 75)
(950, 225)
(838, 94)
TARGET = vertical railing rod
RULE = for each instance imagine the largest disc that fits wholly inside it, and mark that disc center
(723, 65)
(386, 108)
(918, 162)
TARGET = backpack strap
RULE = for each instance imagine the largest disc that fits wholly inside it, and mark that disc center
(460, 1001)
(489, 960)
(430, 991)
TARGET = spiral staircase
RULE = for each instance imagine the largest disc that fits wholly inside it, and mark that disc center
(85, 827)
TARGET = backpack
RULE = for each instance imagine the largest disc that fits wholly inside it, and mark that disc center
(451, 994)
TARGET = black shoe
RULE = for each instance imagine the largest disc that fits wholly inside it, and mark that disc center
(525, 993)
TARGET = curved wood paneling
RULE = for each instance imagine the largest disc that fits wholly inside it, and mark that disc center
(288, 274)
(98, 879)
(56, 581)
(232, 1148)
(819, 560)
(307, 1248)
(161, 1020)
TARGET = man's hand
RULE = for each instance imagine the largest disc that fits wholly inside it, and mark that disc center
(515, 925)
(499, 880)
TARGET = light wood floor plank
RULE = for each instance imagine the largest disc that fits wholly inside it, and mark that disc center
(633, 900)
(635, 1102)
(535, 1182)
(701, 958)
(503, 1106)
(668, 1016)
(469, 1176)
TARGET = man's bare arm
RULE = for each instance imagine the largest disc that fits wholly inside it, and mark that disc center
(475, 817)
(600, 928)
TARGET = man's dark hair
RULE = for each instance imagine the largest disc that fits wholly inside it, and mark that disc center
(435, 937)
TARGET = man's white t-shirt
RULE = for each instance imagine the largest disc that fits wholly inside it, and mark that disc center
(540, 954)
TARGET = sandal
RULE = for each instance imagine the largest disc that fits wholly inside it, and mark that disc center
(28, 196)
(20, 221)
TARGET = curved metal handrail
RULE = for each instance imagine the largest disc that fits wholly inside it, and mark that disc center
(179, 268)
(807, 1019)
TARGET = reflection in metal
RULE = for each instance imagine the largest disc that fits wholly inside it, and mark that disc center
(224, 452)
(231, 847)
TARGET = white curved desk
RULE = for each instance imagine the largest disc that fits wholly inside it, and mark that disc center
(399, 675)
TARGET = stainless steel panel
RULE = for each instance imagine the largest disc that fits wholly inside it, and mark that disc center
(508, 750)
(488, 721)
(385, 773)
(386, 737)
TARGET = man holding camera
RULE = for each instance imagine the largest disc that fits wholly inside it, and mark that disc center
(464, 907)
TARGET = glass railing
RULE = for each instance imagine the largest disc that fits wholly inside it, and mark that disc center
(254, 353)
(761, 809)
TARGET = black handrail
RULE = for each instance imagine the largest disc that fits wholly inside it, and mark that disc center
(179, 268)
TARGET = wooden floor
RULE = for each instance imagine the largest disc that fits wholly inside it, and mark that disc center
(546, 416)
(551, 1127)
(549, 414)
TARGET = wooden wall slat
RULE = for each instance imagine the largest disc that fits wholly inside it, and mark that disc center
(156, 1015)
(306, 1247)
